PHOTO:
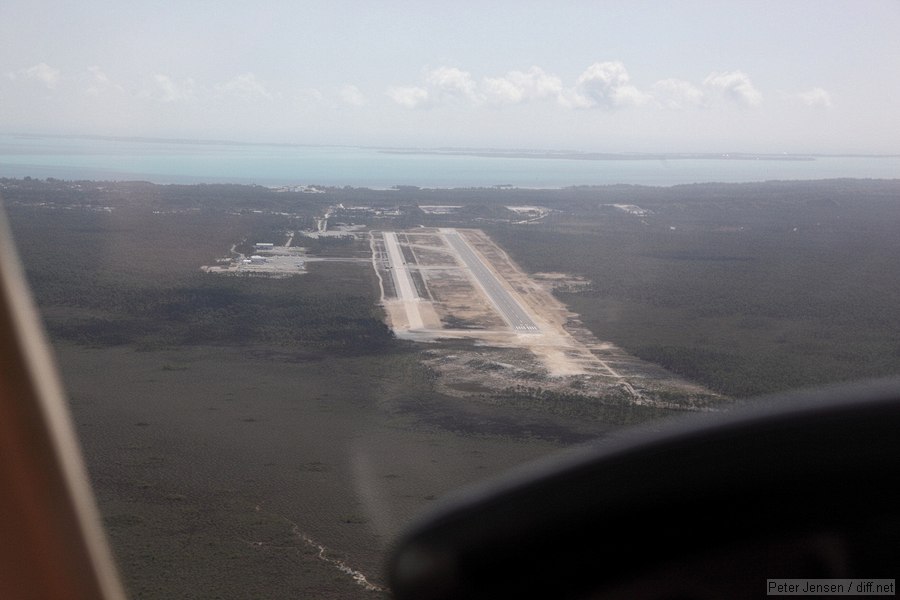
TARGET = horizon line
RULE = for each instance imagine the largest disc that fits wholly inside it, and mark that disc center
(500, 152)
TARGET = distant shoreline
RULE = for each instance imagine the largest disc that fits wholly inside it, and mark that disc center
(470, 151)
(161, 161)
(608, 155)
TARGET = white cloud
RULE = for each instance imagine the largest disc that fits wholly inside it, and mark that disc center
(453, 82)
(41, 72)
(816, 97)
(350, 94)
(518, 86)
(410, 96)
(98, 75)
(311, 95)
(503, 91)
(167, 90)
(734, 86)
(678, 94)
(101, 82)
(572, 98)
(244, 86)
(604, 85)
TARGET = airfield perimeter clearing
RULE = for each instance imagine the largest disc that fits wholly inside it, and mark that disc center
(463, 293)
(513, 335)
(445, 284)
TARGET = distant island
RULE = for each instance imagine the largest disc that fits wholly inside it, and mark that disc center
(571, 155)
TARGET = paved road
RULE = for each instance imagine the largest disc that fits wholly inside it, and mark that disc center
(509, 307)
(403, 283)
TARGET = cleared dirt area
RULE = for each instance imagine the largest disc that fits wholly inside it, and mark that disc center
(273, 261)
(521, 340)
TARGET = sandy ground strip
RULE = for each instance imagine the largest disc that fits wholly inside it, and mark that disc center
(565, 357)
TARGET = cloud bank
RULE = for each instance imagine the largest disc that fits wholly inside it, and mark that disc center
(521, 86)
(734, 86)
(602, 85)
(167, 90)
(100, 82)
(816, 97)
(41, 73)
(352, 96)
(244, 86)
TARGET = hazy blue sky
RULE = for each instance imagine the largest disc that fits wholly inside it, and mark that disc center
(757, 76)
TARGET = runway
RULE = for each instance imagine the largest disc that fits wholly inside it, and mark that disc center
(403, 283)
(509, 308)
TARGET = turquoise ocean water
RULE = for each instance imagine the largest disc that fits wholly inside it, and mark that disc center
(188, 162)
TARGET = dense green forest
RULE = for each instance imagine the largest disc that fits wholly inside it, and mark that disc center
(746, 288)
(129, 273)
